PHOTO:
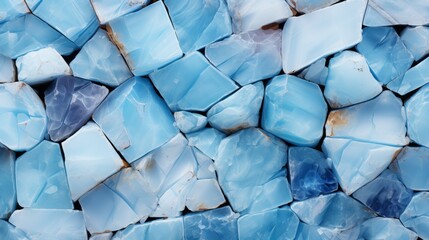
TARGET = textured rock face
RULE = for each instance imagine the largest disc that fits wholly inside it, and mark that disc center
(189, 122)
(7, 184)
(7, 70)
(9, 231)
(416, 106)
(306, 6)
(12, 9)
(401, 12)
(383, 228)
(171, 228)
(107, 10)
(413, 79)
(415, 216)
(416, 39)
(410, 167)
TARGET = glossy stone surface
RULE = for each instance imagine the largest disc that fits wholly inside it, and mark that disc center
(416, 215)
(414, 78)
(399, 12)
(88, 166)
(416, 39)
(7, 70)
(11, 9)
(384, 228)
(100, 61)
(41, 180)
(147, 46)
(338, 27)
(42, 224)
(250, 184)
(7, 183)
(171, 228)
(317, 72)
(410, 166)
(70, 103)
(206, 169)
(306, 6)
(10, 232)
(248, 57)
(294, 110)
(349, 80)
(415, 107)
(312, 232)
(189, 122)
(22, 117)
(204, 194)
(107, 10)
(127, 117)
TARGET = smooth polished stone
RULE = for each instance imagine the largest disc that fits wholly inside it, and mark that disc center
(399, 12)
(206, 169)
(250, 184)
(349, 80)
(248, 57)
(11, 9)
(312, 232)
(280, 223)
(171, 229)
(192, 83)
(306, 6)
(147, 46)
(385, 195)
(7, 70)
(7, 183)
(317, 72)
(107, 10)
(44, 224)
(416, 107)
(41, 180)
(239, 110)
(204, 194)
(310, 175)
(135, 119)
(410, 166)
(28, 33)
(102, 236)
(10, 232)
(70, 103)
(416, 215)
(215, 224)
(189, 122)
(22, 117)
(384, 228)
(88, 166)
(385, 53)
(100, 61)
(294, 110)
(416, 39)
(356, 163)
(337, 27)
(251, 15)
(413, 79)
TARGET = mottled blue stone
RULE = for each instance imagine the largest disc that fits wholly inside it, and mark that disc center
(10, 9)
(312, 232)
(386, 195)
(192, 83)
(7, 183)
(189, 122)
(398, 12)
(384, 228)
(206, 169)
(135, 119)
(414, 78)
(410, 166)
(10, 232)
(204, 194)
(317, 72)
(310, 175)
(385, 53)
(100, 61)
(416, 39)
(70, 103)
(294, 110)
(147, 46)
(102, 236)
(7, 70)
(107, 10)
(171, 229)
(416, 215)
(41, 180)
(306, 6)
(250, 184)
(416, 107)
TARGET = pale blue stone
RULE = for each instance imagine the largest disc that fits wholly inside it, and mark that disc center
(192, 83)
(204, 194)
(239, 110)
(100, 61)
(89, 159)
(385, 53)
(29, 33)
(250, 184)
(7, 183)
(414, 78)
(206, 140)
(199, 22)
(306, 6)
(22, 117)
(416, 39)
(337, 27)
(294, 110)
(101, 236)
(398, 12)
(43, 224)
(311, 232)
(107, 10)
(384, 228)
(10, 232)
(416, 108)
(135, 119)
(189, 122)
(41, 180)
(248, 57)
(206, 169)
(10, 9)
(349, 80)
(70, 103)
(7, 70)
(171, 229)
(215, 224)
(280, 223)
(416, 215)
(317, 72)
(147, 46)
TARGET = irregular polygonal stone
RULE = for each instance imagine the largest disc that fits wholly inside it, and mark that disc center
(399, 12)
(189, 122)
(206, 140)
(294, 110)
(317, 72)
(10, 232)
(107, 10)
(171, 228)
(414, 78)
(135, 119)
(7, 70)
(384, 228)
(101, 236)
(416, 39)
(206, 169)
(337, 28)
(416, 107)
(312, 232)
(306, 6)
(205, 194)
(11, 9)
(7, 183)
(416, 215)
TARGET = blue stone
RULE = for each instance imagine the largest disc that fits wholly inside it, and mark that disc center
(398, 12)
(317, 72)
(107, 10)
(192, 83)
(206, 169)
(385, 195)
(147, 46)
(306, 6)
(10, 232)
(310, 175)
(70, 103)
(416, 39)
(239, 110)
(294, 110)
(7, 183)
(100, 61)
(102, 236)
(311, 232)
(414, 78)
(250, 184)
(204, 194)
(7, 70)
(417, 126)
(384, 228)
(189, 122)
(22, 117)
(171, 229)
(127, 117)
(11, 9)
(41, 180)
(385, 53)
(416, 215)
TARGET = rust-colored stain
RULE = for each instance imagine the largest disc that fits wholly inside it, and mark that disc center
(335, 119)
(125, 164)
(239, 127)
(273, 26)
(202, 207)
(397, 152)
(119, 45)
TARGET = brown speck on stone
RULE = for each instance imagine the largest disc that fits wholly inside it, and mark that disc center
(273, 26)
(119, 45)
(202, 207)
(335, 119)
(125, 164)
(395, 155)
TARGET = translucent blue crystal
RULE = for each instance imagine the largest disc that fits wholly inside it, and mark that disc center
(107, 10)
(189, 122)
(398, 12)
(416, 107)
(171, 229)
(7, 70)
(41, 180)
(147, 46)
(294, 110)
(317, 72)
(101, 236)
(135, 119)
(100, 61)
(416, 215)
(70, 103)
(306, 6)
(384, 228)
(414, 78)
(204, 194)
(410, 166)
(416, 39)
(7, 183)
(11, 9)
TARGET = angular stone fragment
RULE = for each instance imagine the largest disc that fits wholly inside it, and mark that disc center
(416, 107)
(101, 236)
(189, 122)
(41, 180)
(248, 57)
(317, 72)
(414, 78)
(11, 9)
(312, 232)
(384, 228)
(398, 12)
(7, 183)
(294, 110)
(416, 39)
(206, 140)
(10, 232)
(147, 46)
(107, 10)
(7, 70)
(206, 169)
(135, 119)
(337, 27)
(22, 117)
(100, 61)
(306, 6)
(171, 229)
(416, 215)
(70, 103)
(204, 194)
